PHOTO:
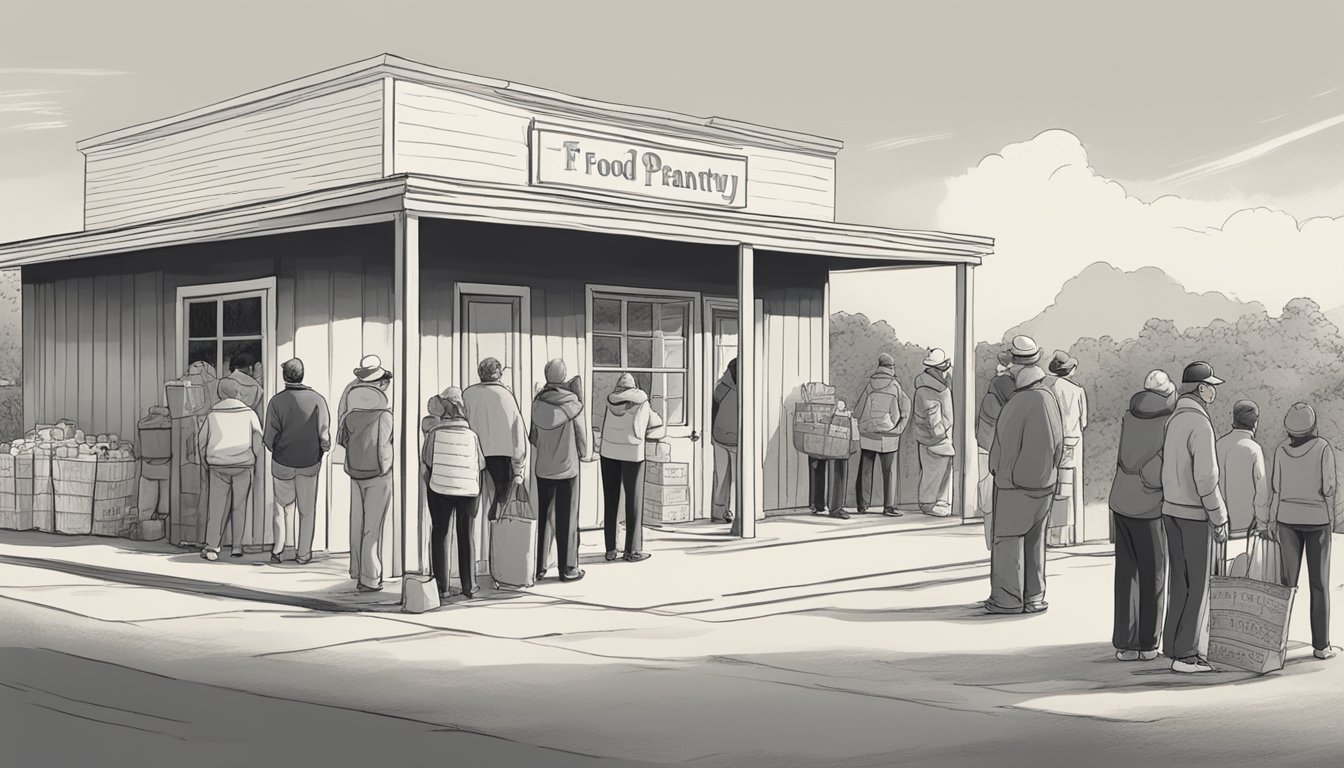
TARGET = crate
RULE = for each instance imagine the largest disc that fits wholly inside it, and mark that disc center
(666, 494)
(73, 523)
(75, 477)
(667, 473)
(667, 513)
(44, 498)
(657, 451)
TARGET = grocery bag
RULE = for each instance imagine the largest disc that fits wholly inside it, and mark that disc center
(513, 543)
(1265, 564)
(1248, 619)
(419, 593)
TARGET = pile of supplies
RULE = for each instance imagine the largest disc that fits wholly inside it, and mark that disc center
(57, 478)
(822, 427)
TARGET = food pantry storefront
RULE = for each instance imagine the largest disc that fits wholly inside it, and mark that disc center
(435, 219)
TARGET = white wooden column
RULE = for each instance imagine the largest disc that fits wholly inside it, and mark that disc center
(406, 394)
(750, 414)
(967, 463)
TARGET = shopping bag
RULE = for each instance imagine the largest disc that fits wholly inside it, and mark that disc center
(513, 543)
(1265, 560)
(419, 593)
(989, 531)
(1248, 619)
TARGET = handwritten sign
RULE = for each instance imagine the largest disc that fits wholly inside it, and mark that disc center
(1248, 623)
(563, 158)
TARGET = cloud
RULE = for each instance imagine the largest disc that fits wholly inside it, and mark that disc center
(45, 126)
(1254, 153)
(901, 142)
(1052, 215)
(60, 71)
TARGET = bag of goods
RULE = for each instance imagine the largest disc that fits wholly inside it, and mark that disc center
(513, 543)
(816, 392)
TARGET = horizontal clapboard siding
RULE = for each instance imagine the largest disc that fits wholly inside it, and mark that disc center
(321, 142)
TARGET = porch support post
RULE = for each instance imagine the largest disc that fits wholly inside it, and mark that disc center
(967, 462)
(406, 394)
(747, 483)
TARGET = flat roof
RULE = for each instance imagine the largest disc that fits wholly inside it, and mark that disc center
(504, 91)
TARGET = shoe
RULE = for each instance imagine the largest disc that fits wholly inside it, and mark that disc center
(275, 559)
(1126, 655)
(1328, 653)
(443, 596)
(937, 512)
(1148, 655)
(840, 514)
(728, 516)
(635, 557)
(612, 556)
(573, 574)
(1192, 666)
(239, 553)
(1040, 607)
(541, 574)
(998, 610)
(861, 511)
(362, 588)
(468, 595)
(303, 560)
(893, 512)
(210, 554)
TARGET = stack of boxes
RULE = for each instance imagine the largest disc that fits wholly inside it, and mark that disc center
(667, 486)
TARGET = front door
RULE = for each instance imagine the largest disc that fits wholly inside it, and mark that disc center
(492, 323)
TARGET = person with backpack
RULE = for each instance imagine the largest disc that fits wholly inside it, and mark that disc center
(883, 411)
(724, 414)
(560, 436)
(366, 435)
(933, 431)
(453, 463)
(629, 421)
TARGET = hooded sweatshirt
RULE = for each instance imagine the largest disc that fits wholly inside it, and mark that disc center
(725, 427)
(1029, 438)
(932, 415)
(1242, 478)
(242, 387)
(1190, 465)
(630, 420)
(366, 434)
(452, 458)
(883, 411)
(230, 435)
(1304, 483)
(1136, 491)
(559, 432)
(494, 416)
(1001, 387)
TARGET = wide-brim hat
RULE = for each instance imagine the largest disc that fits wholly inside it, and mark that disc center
(937, 359)
(1025, 350)
(371, 369)
(1061, 364)
(1200, 373)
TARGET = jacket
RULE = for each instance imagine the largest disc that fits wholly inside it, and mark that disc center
(494, 416)
(630, 420)
(559, 432)
(1304, 484)
(1029, 437)
(1190, 465)
(366, 434)
(230, 435)
(452, 459)
(1001, 387)
(1136, 491)
(239, 386)
(1073, 410)
(883, 411)
(932, 417)
(726, 410)
(1242, 478)
(298, 427)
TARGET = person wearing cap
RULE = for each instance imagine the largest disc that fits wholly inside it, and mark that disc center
(495, 417)
(452, 464)
(560, 436)
(243, 382)
(724, 413)
(883, 411)
(1192, 512)
(1302, 513)
(1024, 459)
(369, 373)
(365, 432)
(932, 417)
(1136, 510)
(1241, 470)
(628, 421)
(991, 405)
(298, 435)
(1068, 506)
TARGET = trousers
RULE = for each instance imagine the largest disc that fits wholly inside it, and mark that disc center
(299, 492)
(230, 488)
(935, 482)
(444, 510)
(623, 477)
(863, 493)
(1189, 556)
(1017, 569)
(370, 501)
(1140, 582)
(557, 516)
(1314, 542)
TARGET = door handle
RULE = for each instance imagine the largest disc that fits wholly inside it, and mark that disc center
(695, 436)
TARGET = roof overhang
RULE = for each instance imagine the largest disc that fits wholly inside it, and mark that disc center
(384, 199)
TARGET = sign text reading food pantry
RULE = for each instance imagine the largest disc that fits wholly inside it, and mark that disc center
(613, 165)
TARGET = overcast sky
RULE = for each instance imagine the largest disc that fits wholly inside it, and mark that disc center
(1083, 115)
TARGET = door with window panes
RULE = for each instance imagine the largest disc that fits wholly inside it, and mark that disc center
(652, 338)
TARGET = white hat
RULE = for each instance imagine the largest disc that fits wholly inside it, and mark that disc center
(1159, 382)
(937, 359)
(1025, 350)
(371, 369)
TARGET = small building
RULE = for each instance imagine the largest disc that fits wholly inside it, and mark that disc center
(435, 218)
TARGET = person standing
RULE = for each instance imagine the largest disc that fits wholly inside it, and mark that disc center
(298, 435)
(1136, 507)
(933, 431)
(366, 435)
(453, 464)
(1068, 506)
(1242, 476)
(230, 440)
(629, 421)
(493, 413)
(1302, 513)
(883, 411)
(1000, 389)
(1024, 458)
(560, 435)
(724, 428)
(243, 382)
(1192, 512)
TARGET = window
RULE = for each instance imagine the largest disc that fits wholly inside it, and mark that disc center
(647, 338)
(219, 327)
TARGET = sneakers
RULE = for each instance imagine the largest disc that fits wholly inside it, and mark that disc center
(1327, 653)
(362, 588)
(1040, 607)
(1191, 666)
(573, 574)
(840, 514)
(275, 559)
(1147, 655)
(893, 512)
(636, 557)
(541, 574)
(939, 512)
(1126, 655)
(210, 554)
(612, 556)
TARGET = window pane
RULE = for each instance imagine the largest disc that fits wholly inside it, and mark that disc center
(644, 381)
(607, 351)
(203, 352)
(659, 406)
(727, 326)
(676, 412)
(676, 384)
(606, 315)
(249, 347)
(639, 317)
(242, 317)
(673, 353)
(603, 384)
(202, 319)
(641, 352)
(672, 321)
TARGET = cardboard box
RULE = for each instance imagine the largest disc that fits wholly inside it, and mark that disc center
(666, 494)
(667, 473)
(667, 513)
(657, 451)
